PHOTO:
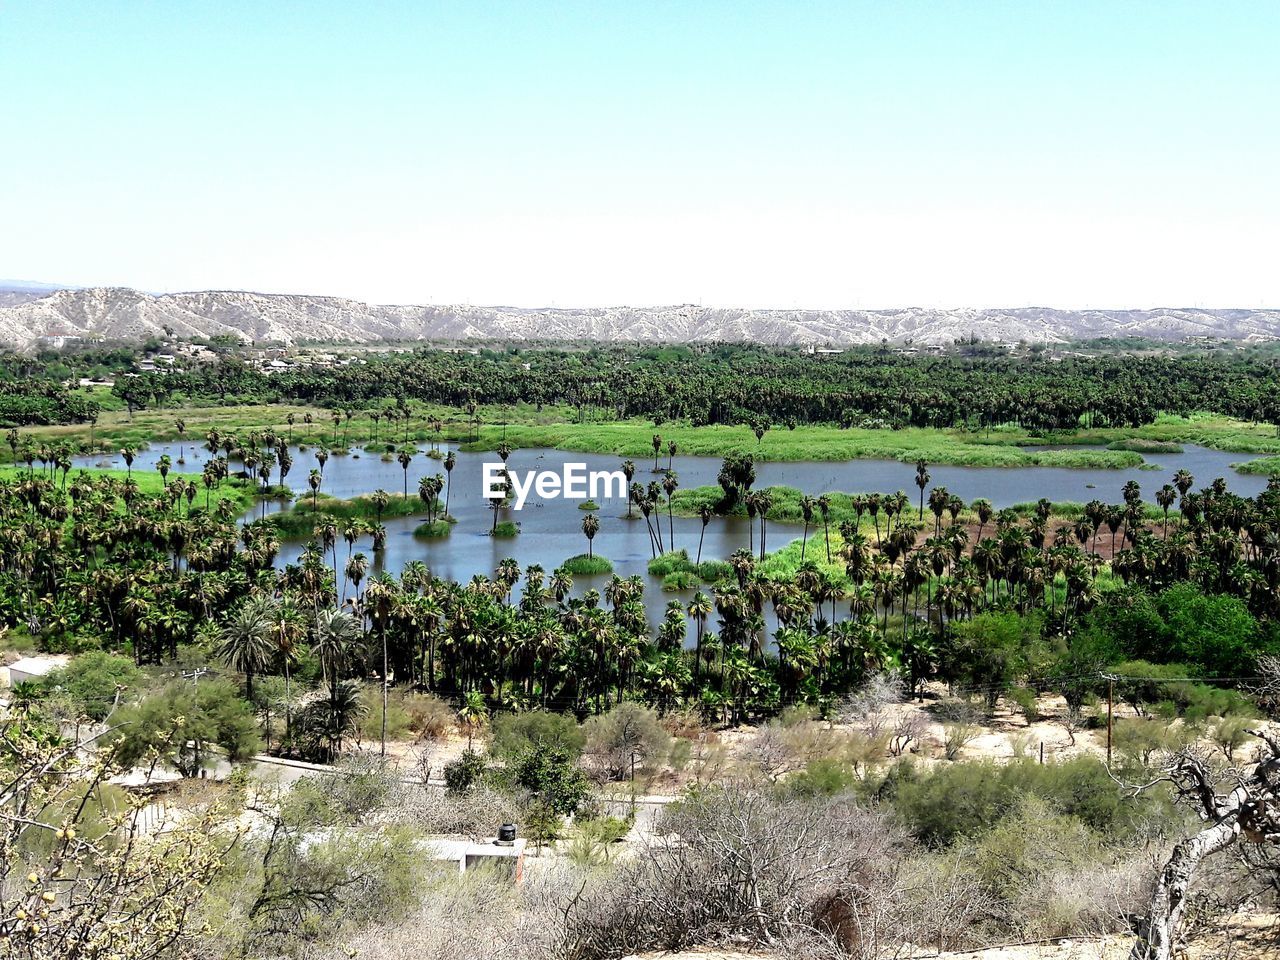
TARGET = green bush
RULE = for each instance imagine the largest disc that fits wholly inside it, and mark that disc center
(92, 680)
(429, 716)
(714, 571)
(516, 733)
(462, 774)
(433, 530)
(1025, 700)
(584, 566)
(675, 561)
(550, 773)
(967, 798)
(626, 735)
(822, 777)
(681, 580)
(506, 528)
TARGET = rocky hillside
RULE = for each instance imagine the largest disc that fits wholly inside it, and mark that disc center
(128, 314)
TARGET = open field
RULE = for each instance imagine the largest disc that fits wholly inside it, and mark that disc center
(239, 493)
(525, 426)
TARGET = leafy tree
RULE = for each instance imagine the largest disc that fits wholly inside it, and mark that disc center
(96, 681)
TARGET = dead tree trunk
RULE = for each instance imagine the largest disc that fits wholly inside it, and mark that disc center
(1250, 811)
(1158, 937)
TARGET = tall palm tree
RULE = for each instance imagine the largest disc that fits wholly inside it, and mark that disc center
(629, 471)
(590, 527)
(247, 644)
(473, 713)
(922, 481)
(450, 461)
(405, 458)
(337, 646)
(669, 484)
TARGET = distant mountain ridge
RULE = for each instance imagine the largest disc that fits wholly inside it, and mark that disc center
(121, 313)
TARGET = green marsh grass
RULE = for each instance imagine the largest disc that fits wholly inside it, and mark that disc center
(433, 530)
(584, 566)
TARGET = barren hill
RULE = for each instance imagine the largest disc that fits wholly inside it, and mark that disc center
(120, 313)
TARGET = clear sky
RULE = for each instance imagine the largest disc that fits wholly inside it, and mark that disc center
(844, 154)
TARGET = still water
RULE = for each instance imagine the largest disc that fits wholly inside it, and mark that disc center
(551, 531)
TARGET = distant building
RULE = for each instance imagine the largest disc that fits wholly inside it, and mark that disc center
(56, 341)
(29, 669)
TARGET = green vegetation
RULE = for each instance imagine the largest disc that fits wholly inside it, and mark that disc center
(676, 563)
(310, 511)
(585, 566)
(433, 530)
(1143, 445)
(1263, 466)
(506, 529)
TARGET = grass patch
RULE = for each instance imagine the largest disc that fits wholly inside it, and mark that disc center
(552, 425)
(1263, 467)
(240, 493)
(1143, 445)
(633, 438)
(507, 528)
(714, 571)
(588, 505)
(433, 530)
(678, 572)
(675, 561)
(302, 519)
(584, 566)
(680, 580)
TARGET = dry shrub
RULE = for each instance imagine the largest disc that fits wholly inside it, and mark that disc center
(429, 716)
(1088, 902)
(733, 863)
(475, 813)
(687, 724)
(473, 915)
(867, 707)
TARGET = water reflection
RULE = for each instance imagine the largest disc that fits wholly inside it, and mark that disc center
(551, 531)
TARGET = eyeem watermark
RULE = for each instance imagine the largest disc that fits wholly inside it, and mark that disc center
(572, 481)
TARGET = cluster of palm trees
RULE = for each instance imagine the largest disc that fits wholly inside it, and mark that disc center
(90, 556)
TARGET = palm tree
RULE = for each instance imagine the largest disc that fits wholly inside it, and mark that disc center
(657, 449)
(473, 713)
(128, 454)
(405, 458)
(450, 461)
(337, 646)
(807, 504)
(669, 484)
(288, 628)
(590, 527)
(700, 608)
(246, 640)
(357, 567)
(922, 481)
(314, 479)
(379, 498)
(629, 471)
(704, 514)
(164, 465)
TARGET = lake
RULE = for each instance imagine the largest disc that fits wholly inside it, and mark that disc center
(550, 530)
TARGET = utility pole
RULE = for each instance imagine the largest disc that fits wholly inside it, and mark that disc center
(1111, 692)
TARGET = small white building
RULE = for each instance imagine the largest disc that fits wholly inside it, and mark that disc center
(34, 668)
